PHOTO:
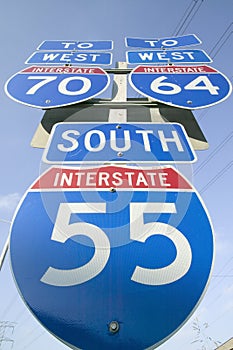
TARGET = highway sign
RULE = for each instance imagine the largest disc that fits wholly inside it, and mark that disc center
(74, 143)
(50, 87)
(189, 87)
(171, 42)
(71, 45)
(167, 56)
(62, 57)
(113, 251)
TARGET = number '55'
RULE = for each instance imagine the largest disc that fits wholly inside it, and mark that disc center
(139, 231)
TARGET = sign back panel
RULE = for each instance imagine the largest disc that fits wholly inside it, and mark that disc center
(85, 112)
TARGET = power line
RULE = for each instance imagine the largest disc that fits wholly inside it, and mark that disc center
(222, 276)
(221, 315)
(203, 114)
(186, 17)
(5, 221)
(216, 177)
(223, 44)
(11, 303)
(219, 40)
(194, 14)
(215, 151)
(34, 339)
(220, 273)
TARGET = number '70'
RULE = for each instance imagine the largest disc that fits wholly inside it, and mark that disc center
(62, 86)
(139, 231)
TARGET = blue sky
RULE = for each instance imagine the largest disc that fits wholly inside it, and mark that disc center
(24, 25)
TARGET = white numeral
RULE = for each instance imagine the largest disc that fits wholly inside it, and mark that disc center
(139, 231)
(44, 80)
(207, 85)
(64, 230)
(62, 86)
(157, 84)
(202, 82)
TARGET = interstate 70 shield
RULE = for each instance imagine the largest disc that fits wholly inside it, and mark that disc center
(111, 257)
(55, 86)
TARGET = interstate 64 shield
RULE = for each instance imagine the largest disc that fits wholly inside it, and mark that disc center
(111, 257)
(189, 87)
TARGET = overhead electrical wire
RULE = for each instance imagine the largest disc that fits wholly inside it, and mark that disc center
(228, 36)
(220, 274)
(219, 40)
(190, 20)
(216, 49)
(34, 339)
(214, 302)
(182, 20)
(215, 151)
(186, 17)
(221, 315)
(5, 221)
(222, 278)
(217, 177)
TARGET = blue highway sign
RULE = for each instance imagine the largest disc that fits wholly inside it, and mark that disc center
(62, 57)
(113, 251)
(167, 56)
(73, 143)
(189, 87)
(70, 45)
(169, 43)
(50, 87)
(59, 57)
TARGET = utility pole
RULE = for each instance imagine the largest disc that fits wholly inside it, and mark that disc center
(4, 251)
(6, 331)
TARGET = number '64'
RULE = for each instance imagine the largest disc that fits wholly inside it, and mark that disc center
(202, 82)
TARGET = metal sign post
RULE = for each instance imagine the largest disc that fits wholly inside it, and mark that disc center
(119, 94)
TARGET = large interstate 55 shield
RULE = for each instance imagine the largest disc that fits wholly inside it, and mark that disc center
(111, 257)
